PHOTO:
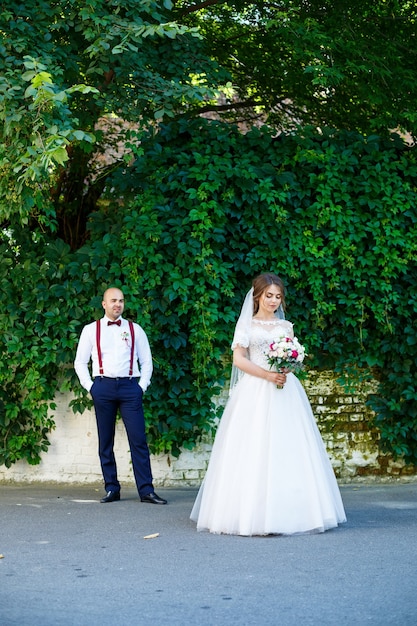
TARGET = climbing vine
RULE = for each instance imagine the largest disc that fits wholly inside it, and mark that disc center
(334, 214)
(205, 208)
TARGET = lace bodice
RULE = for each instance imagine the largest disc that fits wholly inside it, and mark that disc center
(262, 334)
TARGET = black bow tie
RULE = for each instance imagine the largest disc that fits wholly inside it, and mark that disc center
(117, 322)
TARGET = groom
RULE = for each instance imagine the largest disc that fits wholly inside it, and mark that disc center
(115, 347)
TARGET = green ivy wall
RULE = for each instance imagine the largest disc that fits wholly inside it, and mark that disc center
(184, 229)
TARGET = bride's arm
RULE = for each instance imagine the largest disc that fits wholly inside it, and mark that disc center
(240, 360)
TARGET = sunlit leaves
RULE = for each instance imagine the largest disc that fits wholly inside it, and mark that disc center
(63, 72)
(345, 64)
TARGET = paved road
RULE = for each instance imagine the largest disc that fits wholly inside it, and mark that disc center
(70, 561)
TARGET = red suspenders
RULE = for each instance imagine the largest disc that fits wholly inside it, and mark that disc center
(132, 348)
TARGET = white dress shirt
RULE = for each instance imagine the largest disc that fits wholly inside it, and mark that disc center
(115, 344)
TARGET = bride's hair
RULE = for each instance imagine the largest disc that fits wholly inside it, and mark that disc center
(262, 282)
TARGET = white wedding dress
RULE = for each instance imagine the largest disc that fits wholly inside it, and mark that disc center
(269, 472)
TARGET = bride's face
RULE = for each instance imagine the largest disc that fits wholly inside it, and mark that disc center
(270, 300)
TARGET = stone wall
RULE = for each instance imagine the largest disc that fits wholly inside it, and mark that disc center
(342, 417)
(345, 423)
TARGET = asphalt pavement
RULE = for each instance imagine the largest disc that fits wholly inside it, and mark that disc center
(68, 560)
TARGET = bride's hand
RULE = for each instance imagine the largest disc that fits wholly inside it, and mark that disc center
(277, 378)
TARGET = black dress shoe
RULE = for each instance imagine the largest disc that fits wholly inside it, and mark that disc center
(152, 498)
(111, 496)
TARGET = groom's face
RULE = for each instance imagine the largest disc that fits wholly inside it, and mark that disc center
(113, 303)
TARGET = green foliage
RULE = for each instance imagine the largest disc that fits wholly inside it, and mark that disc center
(348, 64)
(37, 339)
(50, 292)
(206, 209)
(72, 78)
(333, 213)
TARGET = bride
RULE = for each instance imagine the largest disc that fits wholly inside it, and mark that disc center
(269, 472)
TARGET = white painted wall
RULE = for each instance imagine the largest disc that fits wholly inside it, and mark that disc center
(72, 456)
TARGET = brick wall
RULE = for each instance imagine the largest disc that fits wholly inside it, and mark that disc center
(342, 417)
(345, 425)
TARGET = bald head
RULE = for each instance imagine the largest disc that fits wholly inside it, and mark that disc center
(113, 303)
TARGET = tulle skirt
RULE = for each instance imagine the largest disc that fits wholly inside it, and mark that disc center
(269, 472)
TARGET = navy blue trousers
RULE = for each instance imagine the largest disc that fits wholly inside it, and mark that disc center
(109, 395)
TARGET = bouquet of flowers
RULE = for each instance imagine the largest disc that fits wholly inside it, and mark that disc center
(286, 355)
